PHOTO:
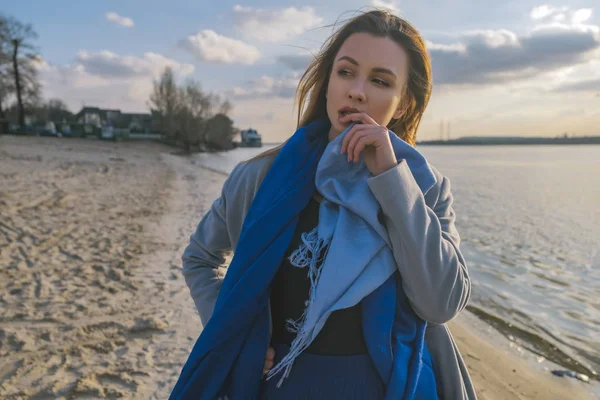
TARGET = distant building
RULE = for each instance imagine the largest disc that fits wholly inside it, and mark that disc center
(96, 116)
(250, 138)
(132, 122)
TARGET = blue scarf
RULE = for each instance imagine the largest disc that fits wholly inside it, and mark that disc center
(228, 358)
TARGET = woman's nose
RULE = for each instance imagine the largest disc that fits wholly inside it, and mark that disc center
(357, 94)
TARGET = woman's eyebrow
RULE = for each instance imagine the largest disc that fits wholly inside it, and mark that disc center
(376, 69)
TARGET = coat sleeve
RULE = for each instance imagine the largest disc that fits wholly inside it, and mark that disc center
(207, 250)
(425, 243)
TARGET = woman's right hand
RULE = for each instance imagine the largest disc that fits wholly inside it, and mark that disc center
(269, 360)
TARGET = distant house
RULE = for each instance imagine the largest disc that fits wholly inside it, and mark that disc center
(97, 116)
(101, 118)
(135, 122)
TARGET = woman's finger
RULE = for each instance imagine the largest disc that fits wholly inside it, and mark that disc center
(270, 353)
(347, 139)
(269, 360)
(360, 146)
(365, 120)
(350, 137)
(352, 154)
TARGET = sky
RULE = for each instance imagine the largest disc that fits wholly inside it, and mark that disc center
(512, 68)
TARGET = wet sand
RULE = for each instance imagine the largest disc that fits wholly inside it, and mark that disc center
(92, 301)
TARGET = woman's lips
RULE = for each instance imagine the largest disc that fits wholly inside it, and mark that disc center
(342, 114)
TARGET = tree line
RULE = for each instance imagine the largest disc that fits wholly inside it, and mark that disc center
(185, 114)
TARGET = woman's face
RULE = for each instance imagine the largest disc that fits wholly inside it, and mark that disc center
(369, 74)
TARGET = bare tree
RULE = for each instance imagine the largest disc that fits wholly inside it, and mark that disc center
(16, 41)
(194, 108)
(225, 107)
(199, 106)
(6, 82)
(220, 105)
(164, 103)
(184, 112)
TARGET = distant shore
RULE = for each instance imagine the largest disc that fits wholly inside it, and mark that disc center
(499, 140)
(495, 141)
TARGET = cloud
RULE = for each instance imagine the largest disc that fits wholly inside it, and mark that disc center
(274, 25)
(582, 15)
(496, 56)
(588, 85)
(209, 46)
(106, 79)
(580, 79)
(388, 4)
(546, 13)
(111, 65)
(117, 19)
(267, 87)
(446, 48)
(68, 76)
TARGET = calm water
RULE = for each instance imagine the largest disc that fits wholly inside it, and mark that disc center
(529, 218)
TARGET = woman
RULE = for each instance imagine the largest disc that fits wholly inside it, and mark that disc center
(347, 261)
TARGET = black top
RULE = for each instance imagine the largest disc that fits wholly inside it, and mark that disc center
(342, 333)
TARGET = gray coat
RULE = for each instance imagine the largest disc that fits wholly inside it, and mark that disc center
(425, 244)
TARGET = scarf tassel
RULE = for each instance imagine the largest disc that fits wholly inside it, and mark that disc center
(307, 255)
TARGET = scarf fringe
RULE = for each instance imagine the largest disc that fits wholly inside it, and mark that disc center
(307, 255)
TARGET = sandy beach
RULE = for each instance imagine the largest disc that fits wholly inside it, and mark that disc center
(92, 300)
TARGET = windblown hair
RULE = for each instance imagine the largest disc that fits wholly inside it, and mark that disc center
(310, 93)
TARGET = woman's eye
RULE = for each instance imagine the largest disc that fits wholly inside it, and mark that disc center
(380, 82)
(344, 72)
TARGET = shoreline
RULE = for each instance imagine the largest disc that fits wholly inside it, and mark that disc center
(93, 301)
(503, 370)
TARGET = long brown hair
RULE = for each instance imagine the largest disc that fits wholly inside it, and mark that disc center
(310, 93)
